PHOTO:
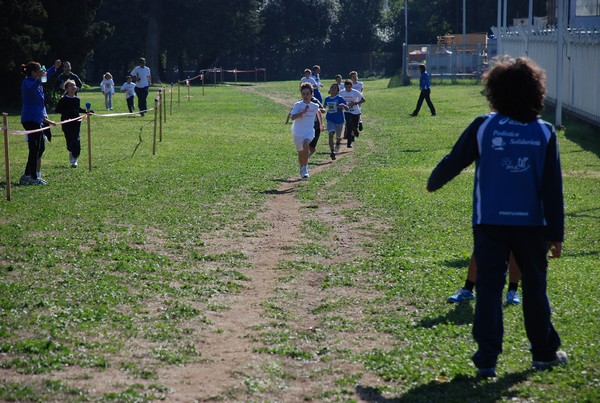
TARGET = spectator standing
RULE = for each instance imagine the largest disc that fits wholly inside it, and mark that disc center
(67, 74)
(33, 117)
(143, 80)
(518, 206)
(425, 86)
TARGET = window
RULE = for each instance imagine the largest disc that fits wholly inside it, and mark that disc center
(587, 8)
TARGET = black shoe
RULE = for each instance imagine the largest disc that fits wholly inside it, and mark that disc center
(413, 114)
(332, 155)
(360, 127)
(433, 114)
(349, 145)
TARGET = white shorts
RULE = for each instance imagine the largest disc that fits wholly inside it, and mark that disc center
(299, 141)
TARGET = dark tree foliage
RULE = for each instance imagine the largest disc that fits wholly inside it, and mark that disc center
(22, 41)
(186, 33)
(72, 33)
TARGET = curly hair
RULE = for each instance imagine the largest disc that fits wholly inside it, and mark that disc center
(516, 88)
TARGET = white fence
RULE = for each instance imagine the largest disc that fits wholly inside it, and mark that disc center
(581, 64)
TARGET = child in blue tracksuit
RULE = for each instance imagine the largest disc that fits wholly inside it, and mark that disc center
(517, 206)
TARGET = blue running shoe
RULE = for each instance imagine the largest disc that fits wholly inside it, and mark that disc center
(512, 298)
(462, 295)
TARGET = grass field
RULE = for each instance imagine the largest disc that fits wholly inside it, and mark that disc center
(115, 270)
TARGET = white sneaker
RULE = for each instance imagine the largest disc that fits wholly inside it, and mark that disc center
(74, 163)
(71, 158)
(306, 175)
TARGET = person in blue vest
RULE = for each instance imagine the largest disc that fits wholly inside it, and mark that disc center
(35, 117)
(425, 95)
(518, 206)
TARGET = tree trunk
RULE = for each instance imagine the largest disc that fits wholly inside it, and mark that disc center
(153, 41)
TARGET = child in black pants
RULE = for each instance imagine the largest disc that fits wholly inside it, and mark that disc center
(69, 108)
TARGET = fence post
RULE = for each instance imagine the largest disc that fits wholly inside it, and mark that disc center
(178, 93)
(164, 103)
(6, 157)
(171, 105)
(155, 112)
(88, 107)
(160, 108)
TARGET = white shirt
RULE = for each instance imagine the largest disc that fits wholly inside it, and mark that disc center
(352, 96)
(358, 86)
(143, 76)
(107, 86)
(129, 89)
(305, 125)
(309, 80)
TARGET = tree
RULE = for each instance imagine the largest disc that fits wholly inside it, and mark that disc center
(22, 41)
(72, 32)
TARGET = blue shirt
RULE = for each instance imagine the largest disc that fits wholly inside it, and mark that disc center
(34, 102)
(424, 82)
(334, 114)
(518, 179)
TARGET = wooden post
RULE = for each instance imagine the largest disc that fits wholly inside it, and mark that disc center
(155, 113)
(202, 80)
(255, 75)
(6, 157)
(187, 82)
(235, 75)
(88, 107)
(171, 105)
(178, 93)
(160, 113)
(164, 101)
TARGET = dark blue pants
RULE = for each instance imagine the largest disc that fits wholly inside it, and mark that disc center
(351, 126)
(72, 136)
(493, 244)
(36, 145)
(142, 94)
(424, 96)
(130, 103)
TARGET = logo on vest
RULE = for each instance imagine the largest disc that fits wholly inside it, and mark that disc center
(521, 165)
(498, 143)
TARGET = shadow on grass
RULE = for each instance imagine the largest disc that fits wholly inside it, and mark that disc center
(587, 213)
(461, 388)
(462, 314)
(457, 263)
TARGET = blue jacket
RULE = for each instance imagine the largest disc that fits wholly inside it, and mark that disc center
(424, 82)
(32, 96)
(518, 179)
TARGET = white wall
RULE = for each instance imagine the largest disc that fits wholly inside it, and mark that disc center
(581, 65)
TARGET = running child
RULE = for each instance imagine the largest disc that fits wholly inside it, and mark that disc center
(335, 107)
(303, 115)
(129, 89)
(69, 107)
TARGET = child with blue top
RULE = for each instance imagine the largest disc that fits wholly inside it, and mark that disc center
(335, 106)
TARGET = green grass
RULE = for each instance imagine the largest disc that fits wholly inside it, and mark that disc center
(115, 259)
